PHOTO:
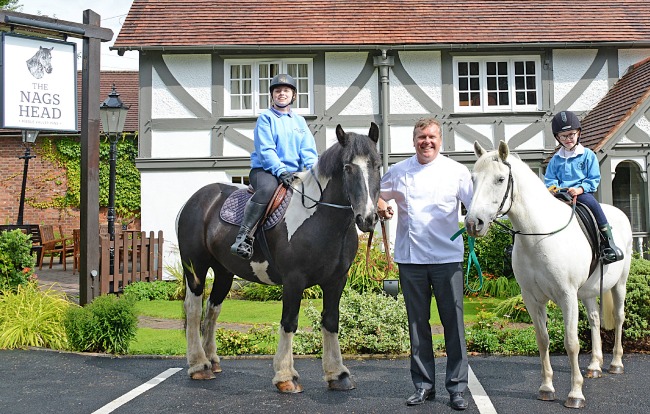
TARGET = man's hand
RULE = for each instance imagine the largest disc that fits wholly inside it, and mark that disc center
(286, 178)
(384, 210)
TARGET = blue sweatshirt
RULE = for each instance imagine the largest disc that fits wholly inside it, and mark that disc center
(283, 142)
(577, 168)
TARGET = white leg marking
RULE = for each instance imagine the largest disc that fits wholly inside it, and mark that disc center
(283, 359)
(332, 359)
(118, 402)
(209, 326)
(481, 398)
(196, 358)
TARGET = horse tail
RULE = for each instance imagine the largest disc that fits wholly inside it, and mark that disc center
(607, 318)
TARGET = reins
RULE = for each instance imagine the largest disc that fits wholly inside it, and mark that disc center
(316, 202)
(389, 263)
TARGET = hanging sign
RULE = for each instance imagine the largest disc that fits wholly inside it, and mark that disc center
(39, 84)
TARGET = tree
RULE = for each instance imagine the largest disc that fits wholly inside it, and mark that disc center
(11, 5)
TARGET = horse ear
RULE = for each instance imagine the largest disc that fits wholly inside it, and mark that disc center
(341, 135)
(478, 149)
(503, 150)
(373, 134)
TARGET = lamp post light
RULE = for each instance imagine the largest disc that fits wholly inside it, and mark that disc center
(113, 114)
(29, 137)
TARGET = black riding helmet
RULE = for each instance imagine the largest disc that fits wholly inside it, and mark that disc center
(283, 80)
(565, 121)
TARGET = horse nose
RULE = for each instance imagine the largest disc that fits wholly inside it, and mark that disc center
(366, 223)
(473, 226)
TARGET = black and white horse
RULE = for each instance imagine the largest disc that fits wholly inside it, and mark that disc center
(314, 244)
(41, 62)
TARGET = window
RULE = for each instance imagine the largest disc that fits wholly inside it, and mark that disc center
(497, 84)
(247, 85)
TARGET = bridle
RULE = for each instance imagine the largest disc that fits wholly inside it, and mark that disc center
(510, 189)
(317, 202)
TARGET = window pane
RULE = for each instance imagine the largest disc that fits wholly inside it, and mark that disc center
(530, 67)
(462, 69)
(492, 98)
(235, 102)
(519, 82)
(463, 84)
(473, 68)
(463, 99)
(491, 84)
(503, 83)
(530, 82)
(532, 98)
(491, 68)
(234, 72)
(503, 68)
(476, 99)
(247, 71)
(247, 102)
(519, 68)
(234, 87)
(474, 84)
(504, 98)
(521, 100)
(247, 86)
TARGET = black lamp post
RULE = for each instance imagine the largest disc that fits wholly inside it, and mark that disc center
(29, 137)
(113, 114)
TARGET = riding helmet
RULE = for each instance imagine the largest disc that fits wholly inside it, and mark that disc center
(283, 80)
(565, 121)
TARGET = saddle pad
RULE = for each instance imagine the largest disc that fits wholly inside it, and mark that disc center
(233, 209)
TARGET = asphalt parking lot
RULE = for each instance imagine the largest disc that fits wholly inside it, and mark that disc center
(43, 381)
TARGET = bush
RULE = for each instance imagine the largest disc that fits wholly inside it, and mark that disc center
(369, 323)
(30, 317)
(497, 287)
(490, 251)
(156, 290)
(107, 324)
(16, 260)
(362, 278)
(258, 340)
(637, 304)
(261, 292)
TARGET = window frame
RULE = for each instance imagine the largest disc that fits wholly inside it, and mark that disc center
(482, 61)
(257, 94)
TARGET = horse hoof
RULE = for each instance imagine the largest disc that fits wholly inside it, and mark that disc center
(343, 383)
(594, 373)
(216, 367)
(574, 402)
(205, 374)
(289, 387)
(546, 396)
(615, 369)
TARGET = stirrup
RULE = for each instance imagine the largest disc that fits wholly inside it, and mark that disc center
(611, 255)
(243, 247)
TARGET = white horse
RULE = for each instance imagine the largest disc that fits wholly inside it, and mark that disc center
(552, 265)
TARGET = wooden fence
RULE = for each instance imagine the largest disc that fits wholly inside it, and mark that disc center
(137, 258)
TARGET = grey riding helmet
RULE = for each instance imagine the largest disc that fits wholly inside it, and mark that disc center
(283, 80)
(565, 121)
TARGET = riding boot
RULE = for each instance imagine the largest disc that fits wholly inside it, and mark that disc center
(609, 251)
(243, 246)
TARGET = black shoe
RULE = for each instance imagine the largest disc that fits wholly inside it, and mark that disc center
(420, 396)
(457, 401)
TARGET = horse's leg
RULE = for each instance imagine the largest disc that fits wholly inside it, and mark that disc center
(537, 311)
(220, 289)
(618, 304)
(286, 377)
(595, 368)
(200, 366)
(337, 375)
(569, 306)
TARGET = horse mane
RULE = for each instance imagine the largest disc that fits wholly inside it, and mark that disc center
(331, 161)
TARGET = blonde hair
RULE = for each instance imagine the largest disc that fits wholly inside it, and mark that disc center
(425, 123)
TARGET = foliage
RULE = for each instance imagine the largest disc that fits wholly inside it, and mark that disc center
(497, 287)
(258, 340)
(11, 5)
(16, 260)
(637, 303)
(261, 292)
(66, 152)
(369, 323)
(31, 317)
(490, 250)
(513, 309)
(176, 272)
(107, 324)
(362, 278)
(489, 335)
(156, 290)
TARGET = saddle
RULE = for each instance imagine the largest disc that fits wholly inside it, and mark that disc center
(588, 225)
(232, 211)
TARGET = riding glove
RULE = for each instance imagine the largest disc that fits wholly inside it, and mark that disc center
(286, 178)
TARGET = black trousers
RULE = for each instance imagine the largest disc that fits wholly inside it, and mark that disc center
(264, 184)
(446, 282)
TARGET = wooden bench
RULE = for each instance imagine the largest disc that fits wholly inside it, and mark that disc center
(34, 231)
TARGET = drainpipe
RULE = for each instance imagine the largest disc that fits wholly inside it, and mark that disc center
(384, 63)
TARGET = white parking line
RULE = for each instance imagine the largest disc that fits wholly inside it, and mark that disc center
(481, 398)
(118, 402)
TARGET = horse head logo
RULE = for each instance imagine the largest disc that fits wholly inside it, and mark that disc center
(41, 62)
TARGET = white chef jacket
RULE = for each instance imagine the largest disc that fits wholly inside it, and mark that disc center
(427, 198)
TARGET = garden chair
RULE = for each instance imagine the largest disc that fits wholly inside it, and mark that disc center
(54, 246)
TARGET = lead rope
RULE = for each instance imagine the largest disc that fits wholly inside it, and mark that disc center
(471, 260)
(389, 263)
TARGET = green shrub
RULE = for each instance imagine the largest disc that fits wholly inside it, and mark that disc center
(16, 260)
(499, 287)
(369, 323)
(513, 309)
(156, 290)
(490, 251)
(258, 340)
(637, 304)
(261, 292)
(31, 317)
(107, 324)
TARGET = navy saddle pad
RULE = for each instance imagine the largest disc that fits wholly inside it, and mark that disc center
(233, 209)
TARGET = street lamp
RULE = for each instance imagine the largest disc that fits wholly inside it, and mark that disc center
(113, 114)
(29, 137)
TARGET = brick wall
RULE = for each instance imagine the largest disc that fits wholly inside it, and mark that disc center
(45, 181)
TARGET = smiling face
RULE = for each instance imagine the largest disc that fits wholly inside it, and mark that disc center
(427, 140)
(282, 97)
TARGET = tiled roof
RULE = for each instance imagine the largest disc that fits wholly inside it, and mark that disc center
(346, 23)
(622, 100)
(126, 84)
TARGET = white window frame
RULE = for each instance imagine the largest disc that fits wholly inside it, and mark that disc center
(482, 76)
(258, 95)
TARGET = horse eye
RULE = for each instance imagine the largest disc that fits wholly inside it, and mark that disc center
(347, 168)
(501, 180)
